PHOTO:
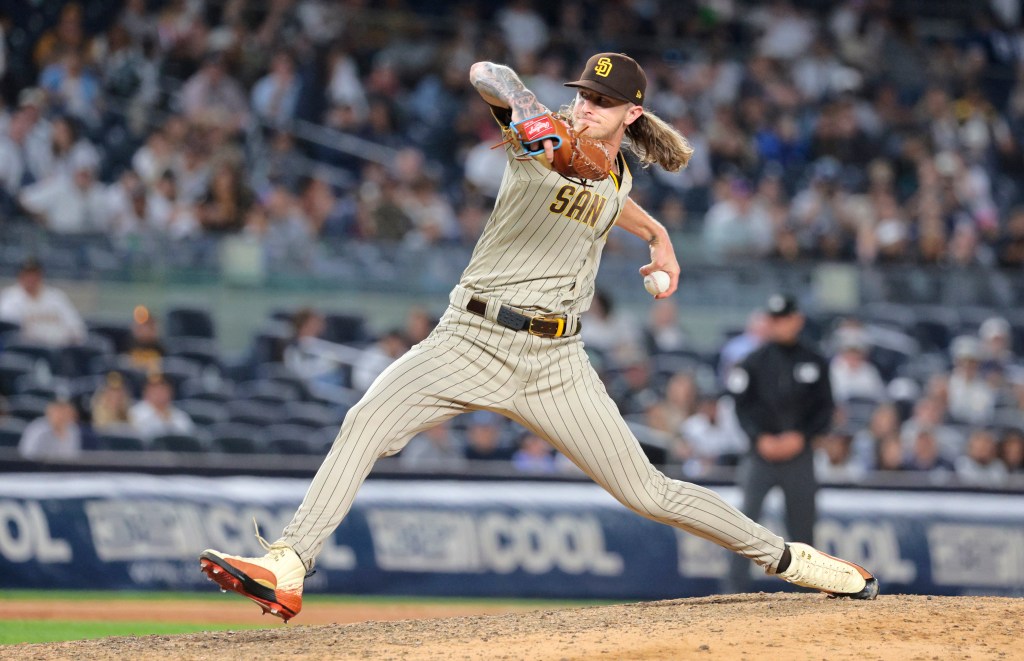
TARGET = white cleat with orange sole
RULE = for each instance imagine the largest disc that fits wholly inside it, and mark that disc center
(810, 568)
(273, 581)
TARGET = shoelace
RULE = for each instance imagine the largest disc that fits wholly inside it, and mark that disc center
(272, 549)
(275, 550)
(830, 576)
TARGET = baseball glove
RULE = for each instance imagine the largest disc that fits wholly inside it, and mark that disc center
(576, 155)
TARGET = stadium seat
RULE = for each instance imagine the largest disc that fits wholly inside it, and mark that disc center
(345, 328)
(11, 430)
(34, 350)
(211, 390)
(272, 392)
(189, 322)
(234, 438)
(7, 327)
(27, 407)
(203, 412)
(46, 388)
(177, 370)
(280, 373)
(119, 334)
(935, 327)
(119, 442)
(199, 349)
(289, 439)
(76, 360)
(253, 412)
(187, 443)
(893, 315)
(309, 414)
(12, 367)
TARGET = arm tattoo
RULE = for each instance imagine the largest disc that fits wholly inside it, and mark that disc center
(502, 83)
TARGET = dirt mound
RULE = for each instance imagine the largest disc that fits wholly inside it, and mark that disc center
(756, 626)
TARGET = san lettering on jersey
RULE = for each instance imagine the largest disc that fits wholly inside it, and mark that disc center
(579, 204)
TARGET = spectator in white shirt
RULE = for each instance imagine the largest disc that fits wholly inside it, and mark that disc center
(834, 460)
(156, 414)
(375, 359)
(980, 464)
(971, 398)
(850, 372)
(54, 436)
(70, 203)
(43, 313)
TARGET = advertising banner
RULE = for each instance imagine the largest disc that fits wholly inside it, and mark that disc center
(493, 539)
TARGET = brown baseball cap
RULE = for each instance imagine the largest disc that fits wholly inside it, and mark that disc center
(616, 75)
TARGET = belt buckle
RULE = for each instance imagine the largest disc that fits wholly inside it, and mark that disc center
(558, 333)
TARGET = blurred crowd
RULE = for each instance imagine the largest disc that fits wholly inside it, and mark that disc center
(872, 131)
(865, 130)
(953, 417)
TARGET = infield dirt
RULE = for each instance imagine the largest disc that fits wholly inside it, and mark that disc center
(786, 626)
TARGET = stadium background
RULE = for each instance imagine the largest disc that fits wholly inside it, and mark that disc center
(874, 172)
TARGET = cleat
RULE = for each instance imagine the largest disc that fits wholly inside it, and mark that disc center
(810, 568)
(273, 581)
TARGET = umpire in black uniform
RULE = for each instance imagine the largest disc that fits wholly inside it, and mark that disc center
(783, 401)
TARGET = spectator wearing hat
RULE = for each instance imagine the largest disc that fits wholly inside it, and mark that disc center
(850, 372)
(971, 398)
(55, 436)
(996, 349)
(156, 414)
(44, 314)
(783, 402)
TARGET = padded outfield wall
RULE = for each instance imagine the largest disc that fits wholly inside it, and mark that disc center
(493, 539)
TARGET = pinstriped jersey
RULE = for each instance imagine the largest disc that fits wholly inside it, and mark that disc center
(541, 247)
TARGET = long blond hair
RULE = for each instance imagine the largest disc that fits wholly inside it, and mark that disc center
(652, 140)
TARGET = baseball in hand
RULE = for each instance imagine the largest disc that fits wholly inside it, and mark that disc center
(656, 282)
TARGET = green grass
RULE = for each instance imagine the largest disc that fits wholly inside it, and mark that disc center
(41, 631)
(47, 631)
(92, 595)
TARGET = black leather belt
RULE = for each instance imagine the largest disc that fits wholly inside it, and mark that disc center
(509, 318)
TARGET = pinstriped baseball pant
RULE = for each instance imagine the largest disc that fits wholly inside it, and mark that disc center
(546, 385)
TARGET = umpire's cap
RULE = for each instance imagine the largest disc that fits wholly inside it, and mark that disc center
(616, 75)
(781, 305)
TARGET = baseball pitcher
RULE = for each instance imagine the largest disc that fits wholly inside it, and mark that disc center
(509, 341)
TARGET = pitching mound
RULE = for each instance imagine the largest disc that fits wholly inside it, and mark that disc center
(756, 626)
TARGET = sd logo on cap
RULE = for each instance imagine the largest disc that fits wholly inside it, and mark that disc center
(615, 75)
